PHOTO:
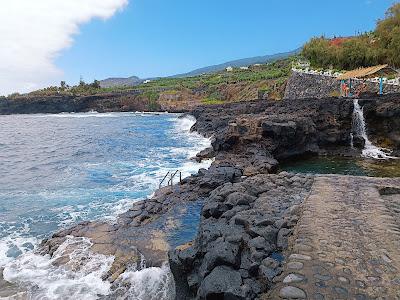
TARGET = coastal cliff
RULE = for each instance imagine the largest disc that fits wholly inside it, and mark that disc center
(109, 102)
(249, 214)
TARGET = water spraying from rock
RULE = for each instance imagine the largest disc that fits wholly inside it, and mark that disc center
(359, 129)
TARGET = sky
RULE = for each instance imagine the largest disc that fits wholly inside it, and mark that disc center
(46, 41)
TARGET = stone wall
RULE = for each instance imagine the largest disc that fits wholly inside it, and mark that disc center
(304, 85)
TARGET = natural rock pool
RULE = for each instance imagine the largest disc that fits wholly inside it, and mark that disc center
(344, 166)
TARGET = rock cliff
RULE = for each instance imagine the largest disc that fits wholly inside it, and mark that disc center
(58, 104)
(106, 102)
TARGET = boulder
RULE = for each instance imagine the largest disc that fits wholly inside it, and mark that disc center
(221, 253)
(222, 283)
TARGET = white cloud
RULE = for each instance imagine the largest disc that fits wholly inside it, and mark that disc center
(33, 32)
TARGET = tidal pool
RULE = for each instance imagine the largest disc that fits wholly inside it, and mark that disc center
(344, 166)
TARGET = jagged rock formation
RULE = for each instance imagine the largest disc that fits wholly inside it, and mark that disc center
(281, 129)
(244, 228)
(294, 127)
(383, 121)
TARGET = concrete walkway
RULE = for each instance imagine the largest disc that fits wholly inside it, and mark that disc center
(347, 242)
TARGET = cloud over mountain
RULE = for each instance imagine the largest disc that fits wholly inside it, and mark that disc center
(33, 32)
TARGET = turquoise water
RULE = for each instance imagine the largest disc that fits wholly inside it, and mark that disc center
(344, 166)
(57, 170)
(189, 221)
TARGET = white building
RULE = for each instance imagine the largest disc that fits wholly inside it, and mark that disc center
(229, 69)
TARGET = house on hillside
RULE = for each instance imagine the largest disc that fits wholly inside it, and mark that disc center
(244, 68)
(229, 69)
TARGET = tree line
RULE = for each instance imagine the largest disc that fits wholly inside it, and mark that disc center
(381, 46)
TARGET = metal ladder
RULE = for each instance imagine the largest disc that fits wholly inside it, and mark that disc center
(171, 178)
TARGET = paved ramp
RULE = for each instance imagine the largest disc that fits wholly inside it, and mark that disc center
(347, 242)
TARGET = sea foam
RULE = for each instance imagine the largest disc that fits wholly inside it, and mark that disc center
(81, 276)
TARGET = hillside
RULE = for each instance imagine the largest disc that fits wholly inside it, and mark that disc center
(117, 81)
(264, 81)
(240, 63)
(244, 62)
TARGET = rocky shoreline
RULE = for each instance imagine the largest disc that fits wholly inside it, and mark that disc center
(248, 211)
(124, 101)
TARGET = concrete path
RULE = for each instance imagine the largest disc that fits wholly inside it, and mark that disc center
(347, 242)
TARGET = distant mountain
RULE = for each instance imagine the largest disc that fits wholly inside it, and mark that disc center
(113, 82)
(134, 80)
(244, 62)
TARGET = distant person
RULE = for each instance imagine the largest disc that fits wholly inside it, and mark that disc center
(345, 90)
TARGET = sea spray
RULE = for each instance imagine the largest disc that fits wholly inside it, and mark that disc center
(79, 276)
(153, 283)
(183, 128)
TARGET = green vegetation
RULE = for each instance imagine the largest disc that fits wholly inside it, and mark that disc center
(210, 101)
(152, 100)
(14, 95)
(212, 86)
(279, 69)
(381, 46)
(81, 89)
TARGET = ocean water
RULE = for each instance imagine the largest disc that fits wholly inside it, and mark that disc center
(57, 170)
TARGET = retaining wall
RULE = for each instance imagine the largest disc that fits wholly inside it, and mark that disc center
(304, 85)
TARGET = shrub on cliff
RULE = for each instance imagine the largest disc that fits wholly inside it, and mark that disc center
(381, 46)
(388, 35)
(320, 52)
(152, 100)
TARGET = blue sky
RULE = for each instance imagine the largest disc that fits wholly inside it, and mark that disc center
(158, 37)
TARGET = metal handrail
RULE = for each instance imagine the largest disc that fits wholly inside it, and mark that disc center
(172, 177)
(170, 181)
(163, 179)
